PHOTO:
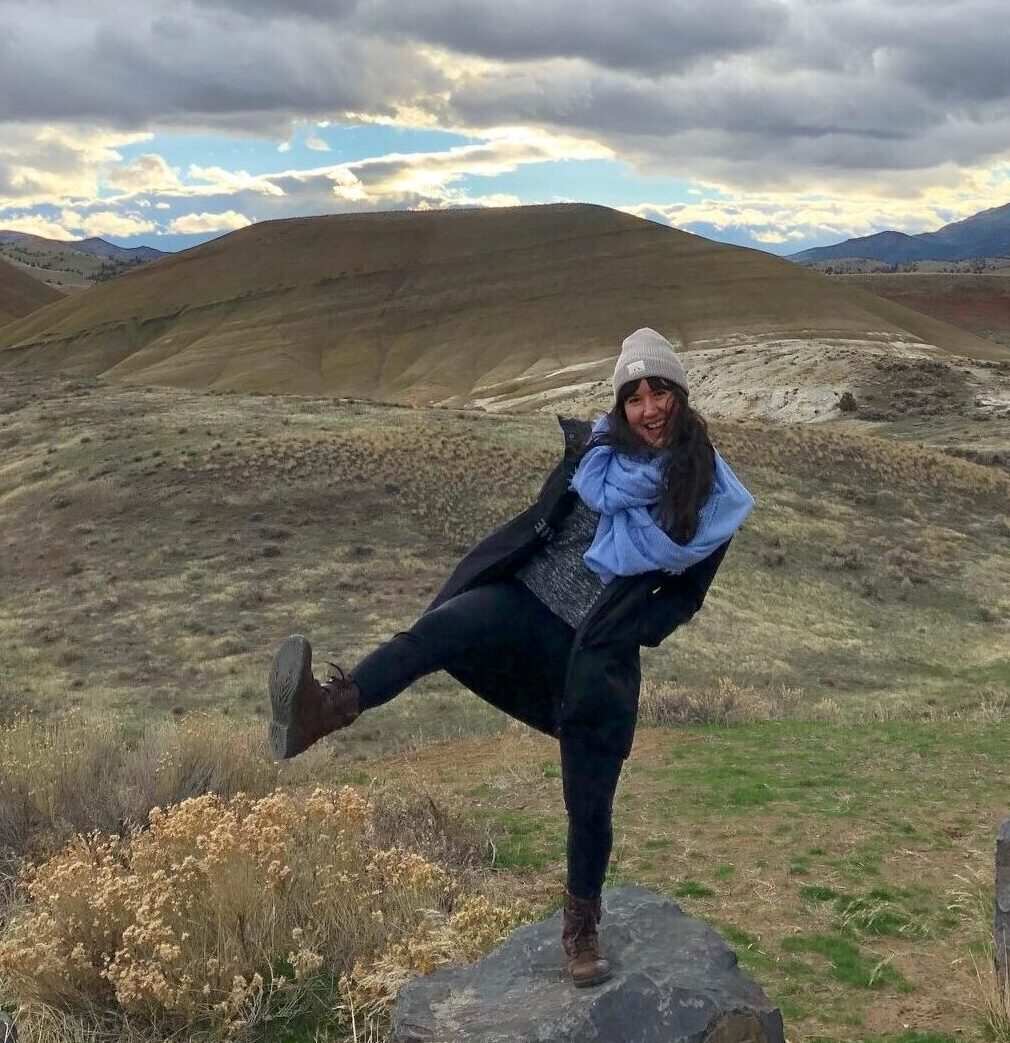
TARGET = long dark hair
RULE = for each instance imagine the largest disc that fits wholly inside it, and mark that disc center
(690, 473)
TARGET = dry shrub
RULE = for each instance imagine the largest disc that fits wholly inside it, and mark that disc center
(666, 702)
(222, 915)
(418, 821)
(73, 775)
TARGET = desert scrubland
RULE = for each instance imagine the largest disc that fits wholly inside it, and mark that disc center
(819, 769)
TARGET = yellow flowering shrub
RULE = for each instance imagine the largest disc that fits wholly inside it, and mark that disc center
(220, 913)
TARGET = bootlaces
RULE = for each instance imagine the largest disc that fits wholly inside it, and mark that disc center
(335, 673)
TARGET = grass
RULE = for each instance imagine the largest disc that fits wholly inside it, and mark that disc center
(870, 936)
(821, 752)
(186, 534)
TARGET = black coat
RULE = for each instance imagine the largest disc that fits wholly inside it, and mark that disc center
(600, 699)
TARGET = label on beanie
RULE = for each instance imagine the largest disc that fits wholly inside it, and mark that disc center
(636, 367)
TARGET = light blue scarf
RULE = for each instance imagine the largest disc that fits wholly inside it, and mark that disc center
(625, 490)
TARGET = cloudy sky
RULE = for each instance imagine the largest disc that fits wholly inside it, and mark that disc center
(780, 124)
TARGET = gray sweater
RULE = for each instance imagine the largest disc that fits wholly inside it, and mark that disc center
(557, 574)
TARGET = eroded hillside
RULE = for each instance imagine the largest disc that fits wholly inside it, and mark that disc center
(509, 308)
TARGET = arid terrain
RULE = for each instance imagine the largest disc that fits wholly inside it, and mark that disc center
(819, 769)
(979, 303)
(21, 294)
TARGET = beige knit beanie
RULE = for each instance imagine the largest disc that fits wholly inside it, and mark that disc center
(646, 353)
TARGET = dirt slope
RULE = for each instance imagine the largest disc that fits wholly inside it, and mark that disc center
(20, 294)
(503, 307)
(978, 303)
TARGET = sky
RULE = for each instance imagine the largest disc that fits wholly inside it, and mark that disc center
(775, 124)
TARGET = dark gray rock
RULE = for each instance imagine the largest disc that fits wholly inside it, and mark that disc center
(675, 981)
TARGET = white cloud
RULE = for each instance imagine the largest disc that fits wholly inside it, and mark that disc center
(34, 225)
(53, 164)
(317, 144)
(199, 224)
(105, 222)
(506, 149)
(219, 180)
(147, 173)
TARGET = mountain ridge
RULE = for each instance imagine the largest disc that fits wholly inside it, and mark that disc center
(985, 234)
(93, 246)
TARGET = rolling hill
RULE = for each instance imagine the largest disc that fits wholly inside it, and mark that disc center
(20, 294)
(501, 308)
(979, 303)
(71, 265)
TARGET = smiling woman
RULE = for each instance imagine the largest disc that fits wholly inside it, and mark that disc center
(544, 618)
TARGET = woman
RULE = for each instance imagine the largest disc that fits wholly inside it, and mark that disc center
(544, 617)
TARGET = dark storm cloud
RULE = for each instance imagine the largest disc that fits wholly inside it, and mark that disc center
(624, 34)
(845, 86)
(639, 35)
(756, 86)
(193, 65)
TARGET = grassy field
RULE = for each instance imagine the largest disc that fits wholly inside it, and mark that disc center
(820, 769)
(845, 864)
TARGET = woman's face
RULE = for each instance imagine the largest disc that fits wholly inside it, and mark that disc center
(647, 412)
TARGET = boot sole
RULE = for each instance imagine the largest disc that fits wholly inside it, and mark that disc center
(588, 982)
(291, 668)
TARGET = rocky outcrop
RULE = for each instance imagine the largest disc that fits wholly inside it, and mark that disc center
(675, 981)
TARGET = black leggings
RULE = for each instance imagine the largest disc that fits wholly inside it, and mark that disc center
(504, 621)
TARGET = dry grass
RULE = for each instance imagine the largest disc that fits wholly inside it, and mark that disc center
(973, 900)
(70, 775)
(166, 581)
(666, 702)
(671, 703)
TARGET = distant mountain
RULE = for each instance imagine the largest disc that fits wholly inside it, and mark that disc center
(986, 234)
(100, 248)
(70, 265)
(20, 294)
(94, 247)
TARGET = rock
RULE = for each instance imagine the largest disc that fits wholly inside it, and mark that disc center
(675, 981)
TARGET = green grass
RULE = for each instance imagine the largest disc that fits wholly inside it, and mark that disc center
(692, 889)
(849, 964)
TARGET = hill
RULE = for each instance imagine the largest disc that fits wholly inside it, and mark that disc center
(177, 520)
(20, 294)
(978, 303)
(983, 235)
(503, 308)
(74, 264)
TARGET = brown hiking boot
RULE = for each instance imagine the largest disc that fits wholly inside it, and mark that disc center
(585, 965)
(303, 709)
